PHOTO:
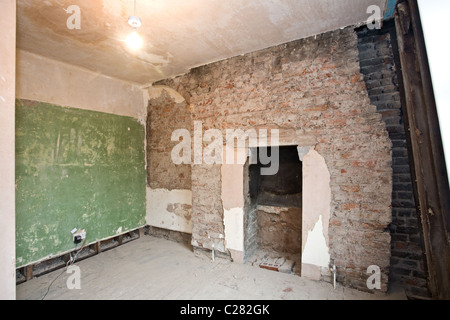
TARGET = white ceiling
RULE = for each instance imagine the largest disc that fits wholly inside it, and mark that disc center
(178, 34)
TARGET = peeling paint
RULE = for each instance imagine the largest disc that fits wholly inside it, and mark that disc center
(169, 209)
(154, 92)
(63, 180)
(389, 10)
(180, 209)
(233, 220)
(316, 209)
(316, 251)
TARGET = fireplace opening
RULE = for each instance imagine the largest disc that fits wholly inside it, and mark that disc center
(282, 189)
(273, 221)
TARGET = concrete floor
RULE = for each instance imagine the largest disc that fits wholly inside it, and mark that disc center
(159, 269)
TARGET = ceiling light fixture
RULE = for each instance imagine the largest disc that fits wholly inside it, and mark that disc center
(134, 40)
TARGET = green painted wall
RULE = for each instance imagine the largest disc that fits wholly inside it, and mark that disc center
(75, 169)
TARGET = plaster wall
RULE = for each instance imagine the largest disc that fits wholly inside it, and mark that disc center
(47, 80)
(169, 209)
(169, 194)
(7, 161)
(316, 214)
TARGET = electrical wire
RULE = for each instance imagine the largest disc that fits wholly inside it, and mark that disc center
(68, 264)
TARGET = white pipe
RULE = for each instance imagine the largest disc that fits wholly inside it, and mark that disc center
(334, 276)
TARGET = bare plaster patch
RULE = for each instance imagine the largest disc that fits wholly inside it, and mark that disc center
(316, 209)
(155, 92)
(169, 209)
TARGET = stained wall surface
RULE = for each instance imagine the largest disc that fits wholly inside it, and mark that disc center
(75, 169)
(42, 79)
(80, 156)
(169, 195)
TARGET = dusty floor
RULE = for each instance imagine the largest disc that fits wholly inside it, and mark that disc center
(159, 269)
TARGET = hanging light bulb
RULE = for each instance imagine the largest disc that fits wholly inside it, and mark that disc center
(134, 40)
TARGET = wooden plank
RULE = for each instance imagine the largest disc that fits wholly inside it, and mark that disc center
(97, 247)
(29, 272)
(427, 150)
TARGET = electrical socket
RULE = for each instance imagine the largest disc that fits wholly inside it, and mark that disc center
(79, 236)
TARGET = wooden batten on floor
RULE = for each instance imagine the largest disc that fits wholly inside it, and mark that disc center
(37, 269)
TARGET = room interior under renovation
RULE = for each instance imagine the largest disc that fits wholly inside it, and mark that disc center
(221, 150)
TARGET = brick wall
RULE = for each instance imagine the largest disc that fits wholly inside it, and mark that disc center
(378, 64)
(164, 115)
(314, 87)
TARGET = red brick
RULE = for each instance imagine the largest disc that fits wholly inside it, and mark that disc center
(323, 107)
(349, 206)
